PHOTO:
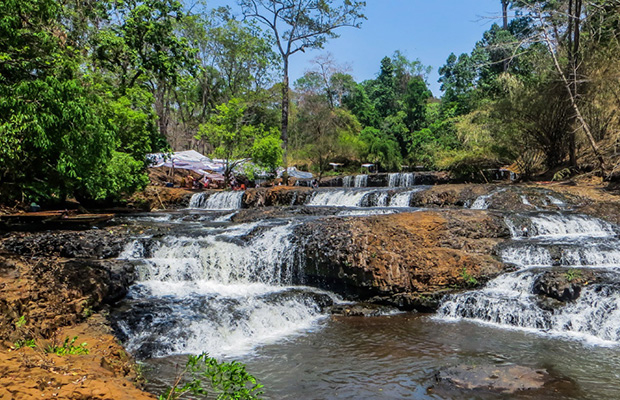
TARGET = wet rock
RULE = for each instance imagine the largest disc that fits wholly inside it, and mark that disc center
(68, 244)
(515, 198)
(563, 285)
(423, 302)
(505, 379)
(51, 294)
(360, 310)
(276, 196)
(257, 214)
(402, 259)
(321, 300)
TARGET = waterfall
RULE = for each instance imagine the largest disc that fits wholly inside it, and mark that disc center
(393, 180)
(482, 202)
(339, 198)
(357, 181)
(217, 201)
(403, 199)
(348, 181)
(401, 180)
(362, 198)
(361, 181)
(561, 241)
(220, 290)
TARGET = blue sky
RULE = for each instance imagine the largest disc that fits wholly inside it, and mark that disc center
(428, 30)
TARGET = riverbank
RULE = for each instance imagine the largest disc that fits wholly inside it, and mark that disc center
(55, 286)
(61, 284)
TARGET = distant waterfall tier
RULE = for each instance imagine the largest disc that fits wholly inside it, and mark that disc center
(556, 226)
(362, 198)
(358, 181)
(221, 290)
(401, 180)
(546, 240)
(599, 254)
(217, 201)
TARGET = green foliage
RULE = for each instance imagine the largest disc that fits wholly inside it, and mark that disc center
(227, 381)
(24, 343)
(325, 132)
(381, 149)
(21, 322)
(232, 137)
(67, 348)
(267, 151)
(132, 118)
(468, 278)
(573, 274)
(562, 174)
(141, 41)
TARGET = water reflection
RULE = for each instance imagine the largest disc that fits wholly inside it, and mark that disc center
(396, 357)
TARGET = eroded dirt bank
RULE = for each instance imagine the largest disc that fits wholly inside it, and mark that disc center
(55, 286)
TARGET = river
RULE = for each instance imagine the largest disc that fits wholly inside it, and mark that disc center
(237, 292)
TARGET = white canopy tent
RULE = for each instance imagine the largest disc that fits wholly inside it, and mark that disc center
(189, 159)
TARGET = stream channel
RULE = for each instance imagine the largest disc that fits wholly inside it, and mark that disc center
(237, 292)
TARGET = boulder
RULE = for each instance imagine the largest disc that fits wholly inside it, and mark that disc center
(402, 259)
(564, 284)
(504, 379)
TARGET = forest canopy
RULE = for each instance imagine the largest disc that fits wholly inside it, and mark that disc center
(89, 88)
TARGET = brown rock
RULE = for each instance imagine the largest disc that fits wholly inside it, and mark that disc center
(416, 253)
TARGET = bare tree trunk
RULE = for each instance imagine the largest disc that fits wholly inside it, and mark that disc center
(573, 100)
(572, 51)
(505, 17)
(285, 105)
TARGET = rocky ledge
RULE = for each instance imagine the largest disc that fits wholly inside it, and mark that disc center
(406, 260)
(55, 286)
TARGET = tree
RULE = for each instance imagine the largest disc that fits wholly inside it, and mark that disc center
(235, 60)
(457, 78)
(558, 26)
(267, 151)
(297, 25)
(381, 149)
(56, 131)
(228, 132)
(327, 132)
(358, 102)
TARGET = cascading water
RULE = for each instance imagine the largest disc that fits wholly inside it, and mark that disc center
(543, 241)
(361, 181)
(219, 290)
(401, 180)
(357, 181)
(482, 202)
(217, 201)
(363, 198)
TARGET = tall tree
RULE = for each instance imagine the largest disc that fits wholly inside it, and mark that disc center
(297, 25)
(505, 4)
(558, 26)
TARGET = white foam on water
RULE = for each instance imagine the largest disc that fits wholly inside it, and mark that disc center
(482, 202)
(401, 180)
(232, 285)
(357, 181)
(527, 256)
(508, 301)
(232, 200)
(560, 226)
(339, 198)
